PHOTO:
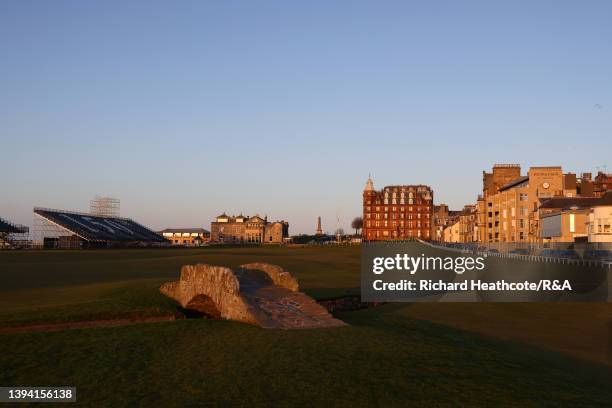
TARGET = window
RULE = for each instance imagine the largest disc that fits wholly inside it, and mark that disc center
(605, 225)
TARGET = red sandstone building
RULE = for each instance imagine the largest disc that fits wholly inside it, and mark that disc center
(397, 212)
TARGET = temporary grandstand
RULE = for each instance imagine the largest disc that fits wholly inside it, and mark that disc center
(71, 230)
(13, 235)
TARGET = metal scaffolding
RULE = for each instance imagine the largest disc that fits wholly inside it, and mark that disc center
(105, 206)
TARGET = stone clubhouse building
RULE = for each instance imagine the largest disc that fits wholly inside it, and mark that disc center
(248, 230)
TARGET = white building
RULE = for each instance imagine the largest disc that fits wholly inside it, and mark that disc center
(600, 220)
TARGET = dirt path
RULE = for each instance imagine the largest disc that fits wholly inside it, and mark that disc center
(49, 327)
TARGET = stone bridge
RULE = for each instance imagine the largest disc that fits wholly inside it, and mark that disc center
(258, 293)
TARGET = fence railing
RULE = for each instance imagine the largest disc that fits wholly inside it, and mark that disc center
(524, 257)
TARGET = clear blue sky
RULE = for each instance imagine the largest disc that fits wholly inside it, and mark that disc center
(184, 110)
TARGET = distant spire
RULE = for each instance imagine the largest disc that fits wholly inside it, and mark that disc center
(369, 184)
(319, 229)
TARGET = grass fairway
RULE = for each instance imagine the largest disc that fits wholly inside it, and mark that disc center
(425, 354)
(385, 358)
(46, 286)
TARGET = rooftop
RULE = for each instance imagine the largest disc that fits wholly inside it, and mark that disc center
(185, 230)
(568, 202)
(514, 183)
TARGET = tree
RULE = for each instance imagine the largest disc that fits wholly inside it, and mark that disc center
(357, 224)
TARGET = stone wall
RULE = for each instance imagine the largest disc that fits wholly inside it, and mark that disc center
(279, 276)
(218, 283)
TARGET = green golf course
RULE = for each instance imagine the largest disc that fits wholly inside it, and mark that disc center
(454, 354)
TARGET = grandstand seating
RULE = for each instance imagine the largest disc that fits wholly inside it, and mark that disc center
(10, 228)
(99, 229)
(13, 235)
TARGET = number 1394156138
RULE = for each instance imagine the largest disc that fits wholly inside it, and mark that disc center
(37, 394)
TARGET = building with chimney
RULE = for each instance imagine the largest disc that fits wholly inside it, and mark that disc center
(509, 208)
(507, 211)
(442, 218)
(462, 227)
(248, 230)
(397, 212)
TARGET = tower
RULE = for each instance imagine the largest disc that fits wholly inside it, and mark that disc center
(319, 230)
(369, 197)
